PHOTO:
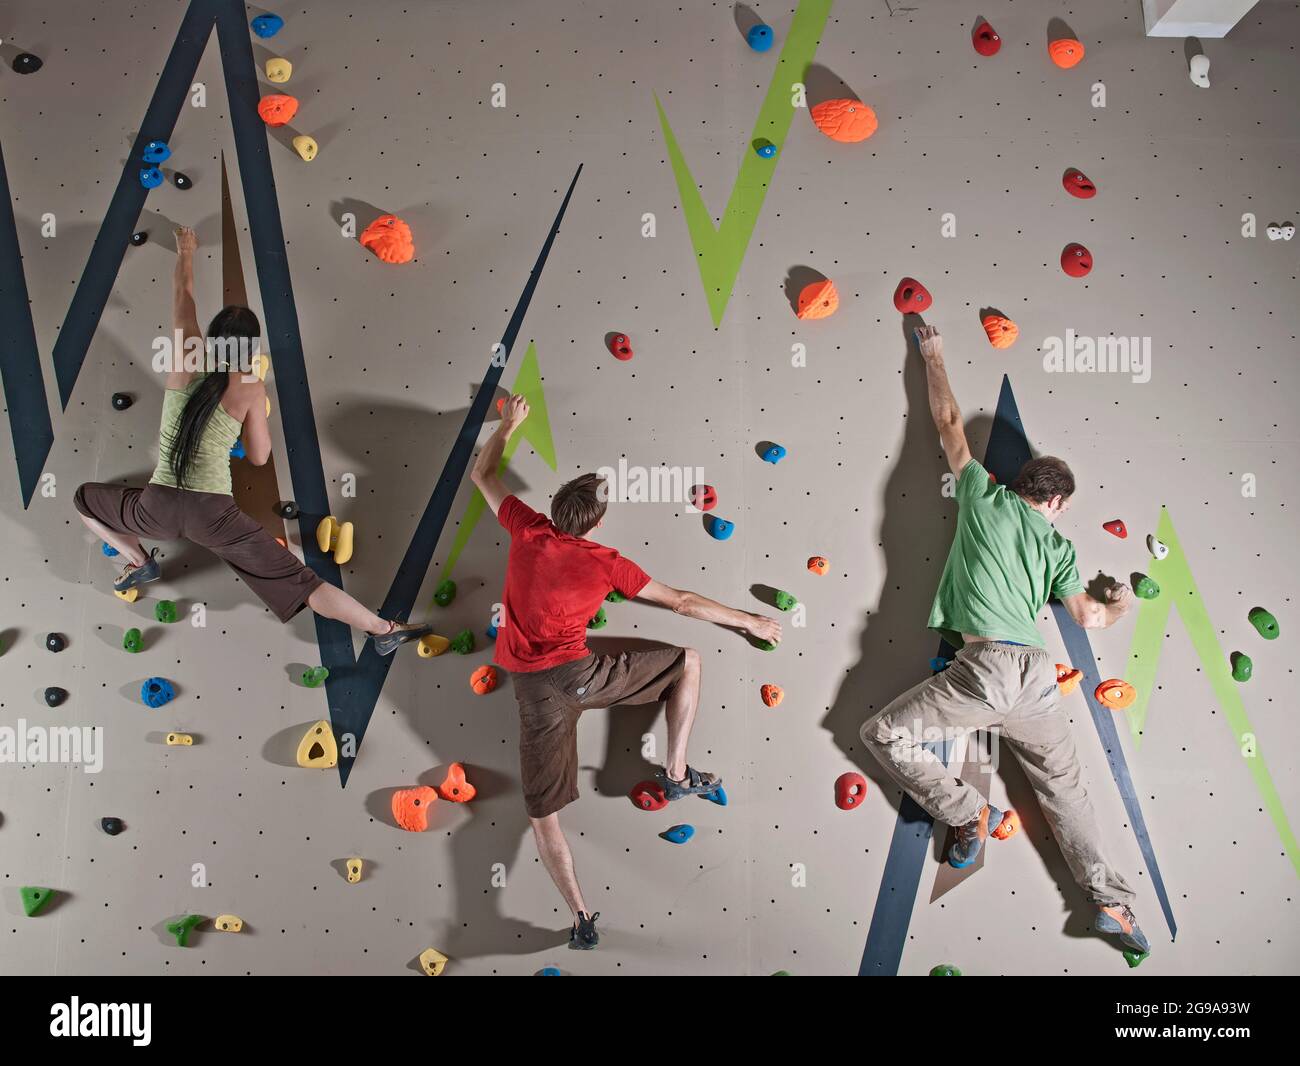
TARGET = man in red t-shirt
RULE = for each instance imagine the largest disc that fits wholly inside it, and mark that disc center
(556, 580)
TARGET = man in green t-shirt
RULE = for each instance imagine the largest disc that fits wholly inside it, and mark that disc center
(1007, 560)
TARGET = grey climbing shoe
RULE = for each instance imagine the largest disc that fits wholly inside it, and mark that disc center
(401, 633)
(133, 576)
(693, 784)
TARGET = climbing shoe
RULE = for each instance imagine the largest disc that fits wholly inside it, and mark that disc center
(1119, 918)
(133, 576)
(971, 836)
(693, 784)
(583, 935)
(401, 633)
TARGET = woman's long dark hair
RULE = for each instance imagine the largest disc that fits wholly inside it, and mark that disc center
(230, 322)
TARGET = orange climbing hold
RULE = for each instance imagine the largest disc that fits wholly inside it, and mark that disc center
(277, 109)
(772, 694)
(1001, 330)
(1008, 827)
(455, 788)
(846, 121)
(1068, 678)
(390, 239)
(483, 680)
(818, 564)
(1065, 52)
(818, 300)
(411, 807)
(1115, 694)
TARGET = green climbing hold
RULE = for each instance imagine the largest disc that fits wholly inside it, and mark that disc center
(615, 596)
(1134, 958)
(600, 621)
(181, 928)
(314, 676)
(445, 593)
(784, 601)
(165, 611)
(1242, 667)
(132, 641)
(463, 642)
(1264, 622)
(945, 970)
(781, 973)
(34, 899)
(1146, 588)
(764, 645)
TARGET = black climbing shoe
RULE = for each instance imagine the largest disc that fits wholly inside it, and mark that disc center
(583, 935)
(402, 632)
(132, 576)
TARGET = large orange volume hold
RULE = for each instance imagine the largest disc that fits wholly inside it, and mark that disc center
(1065, 52)
(390, 239)
(276, 109)
(818, 300)
(1115, 694)
(846, 121)
(411, 807)
(1001, 330)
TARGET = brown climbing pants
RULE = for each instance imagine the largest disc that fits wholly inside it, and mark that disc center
(1010, 690)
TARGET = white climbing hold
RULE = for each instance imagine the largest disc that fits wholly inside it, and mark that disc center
(1158, 549)
(1198, 69)
(1274, 231)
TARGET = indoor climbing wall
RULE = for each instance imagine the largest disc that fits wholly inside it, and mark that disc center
(573, 170)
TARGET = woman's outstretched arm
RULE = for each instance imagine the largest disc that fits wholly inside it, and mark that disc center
(185, 314)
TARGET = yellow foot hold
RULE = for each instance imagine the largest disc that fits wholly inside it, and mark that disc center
(317, 750)
(183, 740)
(228, 923)
(354, 870)
(433, 961)
(336, 538)
(431, 644)
(130, 595)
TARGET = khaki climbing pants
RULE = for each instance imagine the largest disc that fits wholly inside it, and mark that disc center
(1010, 690)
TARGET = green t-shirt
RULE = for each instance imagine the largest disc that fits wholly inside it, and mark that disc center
(210, 469)
(1005, 563)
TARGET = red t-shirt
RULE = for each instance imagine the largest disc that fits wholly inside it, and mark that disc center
(554, 586)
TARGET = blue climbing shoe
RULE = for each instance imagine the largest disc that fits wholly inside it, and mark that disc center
(401, 633)
(693, 784)
(132, 576)
(583, 935)
(1119, 918)
(971, 837)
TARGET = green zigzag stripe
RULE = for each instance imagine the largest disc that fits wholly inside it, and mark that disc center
(536, 430)
(1178, 591)
(719, 252)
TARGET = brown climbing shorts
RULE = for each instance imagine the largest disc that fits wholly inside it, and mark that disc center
(551, 700)
(210, 520)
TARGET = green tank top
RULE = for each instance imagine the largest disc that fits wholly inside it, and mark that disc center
(210, 468)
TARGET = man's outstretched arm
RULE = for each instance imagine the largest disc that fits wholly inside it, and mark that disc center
(693, 605)
(943, 405)
(484, 473)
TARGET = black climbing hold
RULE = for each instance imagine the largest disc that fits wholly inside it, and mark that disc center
(181, 181)
(111, 826)
(121, 401)
(139, 238)
(26, 63)
(54, 696)
(286, 509)
(56, 642)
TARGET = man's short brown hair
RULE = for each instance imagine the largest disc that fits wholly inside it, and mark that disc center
(1041, 479)
(579, 505)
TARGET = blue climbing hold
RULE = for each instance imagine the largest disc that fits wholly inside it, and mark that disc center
(678, 834)
(938, 663)
(108, 549)
(492, 631)
(267, 25)
(720, 528)
(156, 151)
(760, 37)
(151, 177)
(549, 971)
(718, 796)
(156, 691)
(765, 148)
(774, 454)
(237, 452)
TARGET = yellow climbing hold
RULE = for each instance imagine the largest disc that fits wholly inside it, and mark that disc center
(183, 740)
(130, 595)
(306, 147)
(431, 644)
(278, 70)
(317, 750)
(433, 961)
(228, 923)
(332, 537)
(354, 870)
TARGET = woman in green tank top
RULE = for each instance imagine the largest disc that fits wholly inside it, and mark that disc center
(190, 495)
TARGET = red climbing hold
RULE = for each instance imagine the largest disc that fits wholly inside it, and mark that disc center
(390, 239)
(1077, 184)
(1076, 260)
(985, 39)
(1116, 527)
(620, 347)
(277, 109)
(911, 296)
(704, 497)
(850, 788)
(648, 795)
